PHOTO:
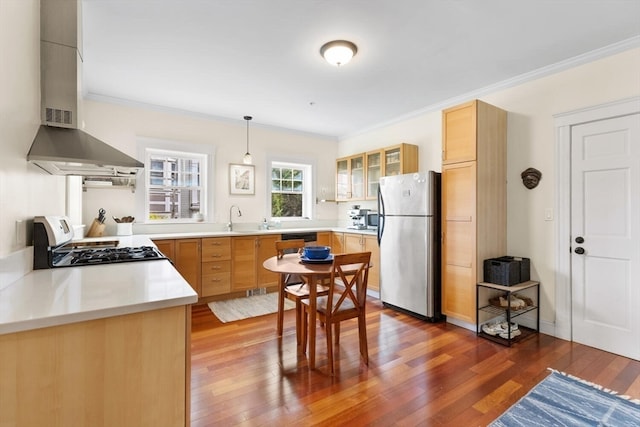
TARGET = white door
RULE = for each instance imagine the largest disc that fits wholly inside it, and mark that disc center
(605, 233)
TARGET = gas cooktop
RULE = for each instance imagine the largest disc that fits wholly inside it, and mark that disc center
(93, 256)
(53, 247)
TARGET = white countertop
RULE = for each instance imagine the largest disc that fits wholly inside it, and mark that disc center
(59, 296)
(246, 232)
(64, 295)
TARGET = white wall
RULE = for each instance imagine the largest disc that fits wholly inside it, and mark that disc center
(531, 143)
(121, 125)
(25, 190)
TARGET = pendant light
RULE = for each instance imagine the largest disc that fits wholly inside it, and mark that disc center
(247, 157)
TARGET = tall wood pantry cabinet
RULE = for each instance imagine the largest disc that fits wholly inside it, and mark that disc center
(474, 212)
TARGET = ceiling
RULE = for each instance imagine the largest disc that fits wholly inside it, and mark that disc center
(231, 58)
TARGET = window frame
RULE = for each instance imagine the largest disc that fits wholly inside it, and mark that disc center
(308, 167)
(147, 147)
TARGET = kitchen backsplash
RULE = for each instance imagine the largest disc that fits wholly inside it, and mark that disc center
(15, 265)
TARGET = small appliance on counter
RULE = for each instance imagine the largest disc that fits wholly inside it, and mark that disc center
(372, 220)
(358, 217)
(52, 247)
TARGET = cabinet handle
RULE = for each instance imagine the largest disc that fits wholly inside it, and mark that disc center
(216, 267)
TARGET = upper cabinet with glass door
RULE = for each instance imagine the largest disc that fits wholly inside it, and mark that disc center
(394, 160)
(374, 172)
(350, 178)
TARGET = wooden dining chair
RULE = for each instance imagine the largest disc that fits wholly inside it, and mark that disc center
(345, 300)
(293, 287)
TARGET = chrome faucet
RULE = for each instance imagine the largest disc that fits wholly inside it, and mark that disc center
(230, 223)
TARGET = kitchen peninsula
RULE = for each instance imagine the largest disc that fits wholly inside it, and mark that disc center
(97, 345)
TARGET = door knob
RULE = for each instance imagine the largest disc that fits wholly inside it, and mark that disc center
(579, 239)
(579, 250)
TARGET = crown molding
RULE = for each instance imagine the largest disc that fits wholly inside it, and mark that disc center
(594, 55)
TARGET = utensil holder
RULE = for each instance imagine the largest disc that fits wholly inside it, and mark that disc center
(96, 229)
(124, 229)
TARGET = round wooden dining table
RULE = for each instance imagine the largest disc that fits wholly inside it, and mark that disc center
(291, 264)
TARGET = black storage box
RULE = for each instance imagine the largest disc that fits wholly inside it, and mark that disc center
(507, 270)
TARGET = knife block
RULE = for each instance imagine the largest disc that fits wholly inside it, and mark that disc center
(96, 229)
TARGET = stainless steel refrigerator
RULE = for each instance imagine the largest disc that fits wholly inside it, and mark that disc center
(409, 239)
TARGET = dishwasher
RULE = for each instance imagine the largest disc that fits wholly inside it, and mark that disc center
(310, 239)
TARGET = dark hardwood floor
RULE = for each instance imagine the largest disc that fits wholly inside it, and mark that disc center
(419, 373)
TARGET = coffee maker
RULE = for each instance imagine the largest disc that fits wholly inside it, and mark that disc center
(358, 217)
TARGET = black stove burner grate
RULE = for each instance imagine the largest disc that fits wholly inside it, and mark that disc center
(113, 255)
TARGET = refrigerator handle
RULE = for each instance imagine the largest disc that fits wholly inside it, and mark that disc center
(380, 215)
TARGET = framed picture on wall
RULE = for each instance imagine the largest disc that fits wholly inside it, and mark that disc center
(241, 179)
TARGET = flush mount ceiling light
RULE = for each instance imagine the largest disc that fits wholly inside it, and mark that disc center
(247, 157)
(338, 52)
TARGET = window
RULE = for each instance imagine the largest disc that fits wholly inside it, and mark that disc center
(291, 190)
(175, 187)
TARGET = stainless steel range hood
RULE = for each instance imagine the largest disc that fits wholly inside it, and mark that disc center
(61, 151)
(60, 146)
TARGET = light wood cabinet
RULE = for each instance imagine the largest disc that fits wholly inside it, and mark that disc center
(337, 242)
(323, 238)
(365, 243)
(222, 265)
(216, 266)
(459, 130)
(473, 201)
(185, 254)
(389, 161)
(167, 247)
(266, 249)
(128, 370)
(187, 262)
(350, 178)
(358, 176)
(371, 245)
(375, 170)
(353, 242)
(248, 253)
(243, 255)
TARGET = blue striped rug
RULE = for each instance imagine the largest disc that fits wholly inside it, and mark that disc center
(564, 400)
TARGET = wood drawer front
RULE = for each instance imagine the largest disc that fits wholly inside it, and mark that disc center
(216, 248)
(216, 284)
(216, 278)
(216, 267)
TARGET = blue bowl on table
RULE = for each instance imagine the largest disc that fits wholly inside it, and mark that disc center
(317, 252)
